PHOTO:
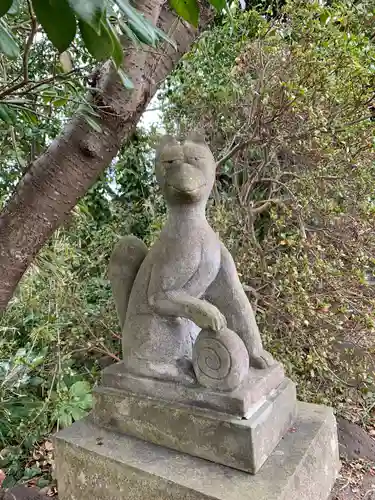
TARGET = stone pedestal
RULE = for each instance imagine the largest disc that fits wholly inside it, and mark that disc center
(159, 440)
(241, 443)
(97, 464)
(240, 402)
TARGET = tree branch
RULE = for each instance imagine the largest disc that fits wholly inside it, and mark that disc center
(51, 79)
(29, 42)
(238, 147)
(262, 208)
(25, 59)
(60, 176)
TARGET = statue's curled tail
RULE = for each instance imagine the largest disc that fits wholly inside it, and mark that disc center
(126, 259)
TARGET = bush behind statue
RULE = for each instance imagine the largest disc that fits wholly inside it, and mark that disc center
(286, 105)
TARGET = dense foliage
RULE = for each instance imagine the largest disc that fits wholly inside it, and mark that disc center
(62, 325)
(287, 105)
(101, 24)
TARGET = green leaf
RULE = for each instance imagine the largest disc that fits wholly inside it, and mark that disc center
(164, 36)
(58, 21)
(9, 481)
(100, 45)
(61, 101)
(8, 45)
(89, 11)
(31, 472)
(325, 17)
(86, 402)
(30, 117)
(128, 84)
(92, 122)
(65, 419)
(187, 9)
(48, 95)
(12, 113)
(43, 482)
(129, 33)
(118, 54)
(77, 413)
(16, 7)
(144, 31)
(88, 109)
(219, 5)
(80, 389)
(6, 114)
(5, 5)
(36, 381)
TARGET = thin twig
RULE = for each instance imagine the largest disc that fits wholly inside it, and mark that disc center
(299, 216)
(368, 493)
(29, 42)
(255, 241)
(353, 386)
(14, 143)
(349, 124)
(51, 79)
(262, 208)
(233, 151)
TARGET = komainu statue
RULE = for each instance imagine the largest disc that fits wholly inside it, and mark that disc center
(184, 314)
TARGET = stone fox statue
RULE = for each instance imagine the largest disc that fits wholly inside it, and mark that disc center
(186, 282)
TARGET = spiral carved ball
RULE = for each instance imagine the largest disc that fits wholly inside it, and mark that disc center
(220, 359)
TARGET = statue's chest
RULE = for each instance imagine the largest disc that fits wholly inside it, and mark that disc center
(200, 246)
(210, 256)
(195, 259)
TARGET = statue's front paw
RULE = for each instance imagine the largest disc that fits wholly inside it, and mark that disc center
(263, 361)
(207, 316)
(217, 321)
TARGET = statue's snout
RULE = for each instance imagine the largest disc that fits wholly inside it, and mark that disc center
(185, 180)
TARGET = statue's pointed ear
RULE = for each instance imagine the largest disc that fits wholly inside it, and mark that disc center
(196, 136)
(164, 141)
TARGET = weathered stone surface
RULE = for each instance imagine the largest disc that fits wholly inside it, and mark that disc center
(185, 283)
(221, 438)
(220, 360)
(239, 402)
(94, 464)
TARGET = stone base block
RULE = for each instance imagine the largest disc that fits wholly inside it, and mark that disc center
(243, 444)
(94, 464)
(238, 402)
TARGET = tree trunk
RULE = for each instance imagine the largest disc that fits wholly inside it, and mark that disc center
(71, 164)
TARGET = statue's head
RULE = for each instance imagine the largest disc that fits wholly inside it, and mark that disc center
(185, 172)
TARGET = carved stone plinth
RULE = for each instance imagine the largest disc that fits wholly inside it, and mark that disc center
(243, 444)
(254, 391)
(96, 464)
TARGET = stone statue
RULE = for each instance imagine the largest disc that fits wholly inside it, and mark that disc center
(197, 409)
(184, 314)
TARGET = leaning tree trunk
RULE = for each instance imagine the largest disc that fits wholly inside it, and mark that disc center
(67, 169)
